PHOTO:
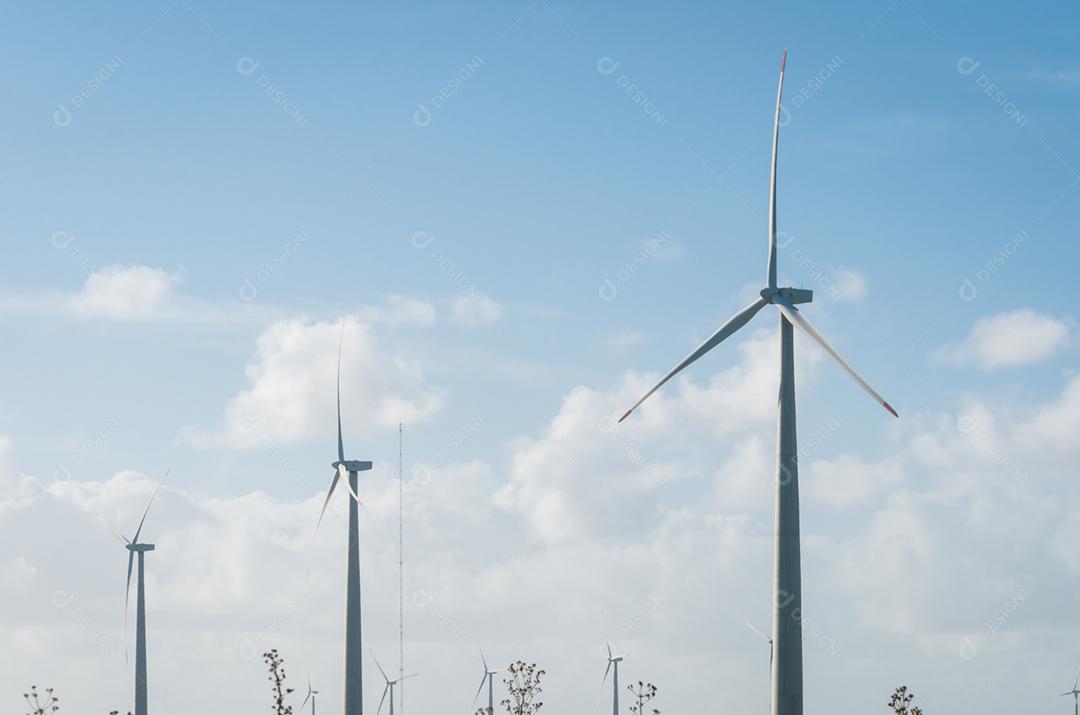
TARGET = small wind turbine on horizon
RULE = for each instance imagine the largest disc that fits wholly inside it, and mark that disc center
(1075, 692)
(310, 695)
(354, 685)
(490, 680)
(613, 660)
(787, 674)
(752, 627)
(389, 685)
(134, 547)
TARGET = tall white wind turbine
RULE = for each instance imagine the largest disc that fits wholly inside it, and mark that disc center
(354, 686)
(787, 676)
(137, 550)
(1076, 695)
(390, 684)
(613, 661)
(310, 695)
(489, 678)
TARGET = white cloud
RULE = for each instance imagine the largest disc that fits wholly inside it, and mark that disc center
(848, 480)
(292, 381)
(626, 537)
(1019, 337)
(400, 310)
(122, 292)
(848, 286)
(620, 342)
(476, 309)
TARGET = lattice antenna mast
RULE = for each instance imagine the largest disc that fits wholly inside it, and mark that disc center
(401, 561)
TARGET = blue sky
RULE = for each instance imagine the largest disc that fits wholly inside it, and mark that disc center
(468, 181)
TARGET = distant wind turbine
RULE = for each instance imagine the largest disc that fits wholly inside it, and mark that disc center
(755, 630)
(389, 685)
(1076, 695)
(354, 686)
(134, 548)
(490, 680)
(613, 660)
(787, 675)
(310, 695)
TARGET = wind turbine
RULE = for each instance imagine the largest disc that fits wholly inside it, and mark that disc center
(752, 627)
(490, 680)
(1076, 695)
(389, 685)
(310, 695)
(134, 548)
(613, 660)
(354, 686)
(787, 676)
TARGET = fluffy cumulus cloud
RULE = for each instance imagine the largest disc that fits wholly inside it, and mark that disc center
(125, 293)
(477, 309)
(1018, 337)
(848, 286)
(292, 386)
(401, 310)
(946, 549)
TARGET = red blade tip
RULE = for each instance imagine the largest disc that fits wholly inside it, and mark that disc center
(891, 410)
(783, 62)
(626, 415)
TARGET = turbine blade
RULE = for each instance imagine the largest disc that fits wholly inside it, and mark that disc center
(484, 661)
(481, 688)
(610, 653)
(406, 677)
(737, 321)
(385, 690)
(341, 342)
(113, 531)
(796, 318)
(772, 178)
(329, 493)
(147, 510)
(379, 667)
(352, 493)
(306, 699)
(755, 630)
(1077, 682)
(610, 661)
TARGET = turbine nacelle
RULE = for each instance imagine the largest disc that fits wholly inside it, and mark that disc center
(352, 465)
(140, 547)
(795, 296)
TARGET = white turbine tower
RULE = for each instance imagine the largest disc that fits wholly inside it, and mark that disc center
(389, 685)
(354, 687)
(613, 660)
(310, 695)
(787, 672)
(135, 548)
(1076, 695)
(490, 680)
